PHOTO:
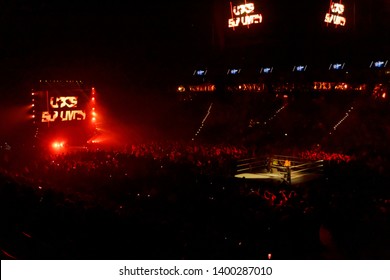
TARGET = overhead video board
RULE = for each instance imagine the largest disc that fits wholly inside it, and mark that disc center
(335, 14)
(243, 14)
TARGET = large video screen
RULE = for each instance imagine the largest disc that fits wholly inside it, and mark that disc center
(63, 111)
(56, 105)
(335, 15)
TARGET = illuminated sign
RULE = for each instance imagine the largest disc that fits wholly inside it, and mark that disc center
(323, 85)
(233, 71)
(336, 66)
(266, 70)
(300, 68)
(379, 64)
(61, 105)
(250, 87)
(200, 72)
(202, 88)
(335, 14)
(243, 14)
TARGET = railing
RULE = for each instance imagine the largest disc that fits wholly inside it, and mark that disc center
(252, 165)
(285, 167)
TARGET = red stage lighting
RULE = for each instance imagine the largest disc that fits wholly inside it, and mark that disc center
(58, 145)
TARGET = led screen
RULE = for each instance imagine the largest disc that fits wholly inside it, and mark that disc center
(243, 14)
(266, 70)
(299, 68)
(378, 64)
(233, 71)
(56, 104)
(336, 66)
(201, 72)
(335, 14)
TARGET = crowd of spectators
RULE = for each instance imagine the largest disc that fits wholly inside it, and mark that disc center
(317, 154)
(180, 200)
(170, 200)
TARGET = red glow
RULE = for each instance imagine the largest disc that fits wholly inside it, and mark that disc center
(93, 98)
(58, 145)
(8, 255)
(32, 93)
(93, 119)
(26, 234)
(93, 109)
(384, 95)
(100, 139)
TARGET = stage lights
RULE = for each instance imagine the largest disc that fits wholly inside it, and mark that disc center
(203, 121)
(181, 89)
(58, 145)
(343, 119)
(93, 99)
